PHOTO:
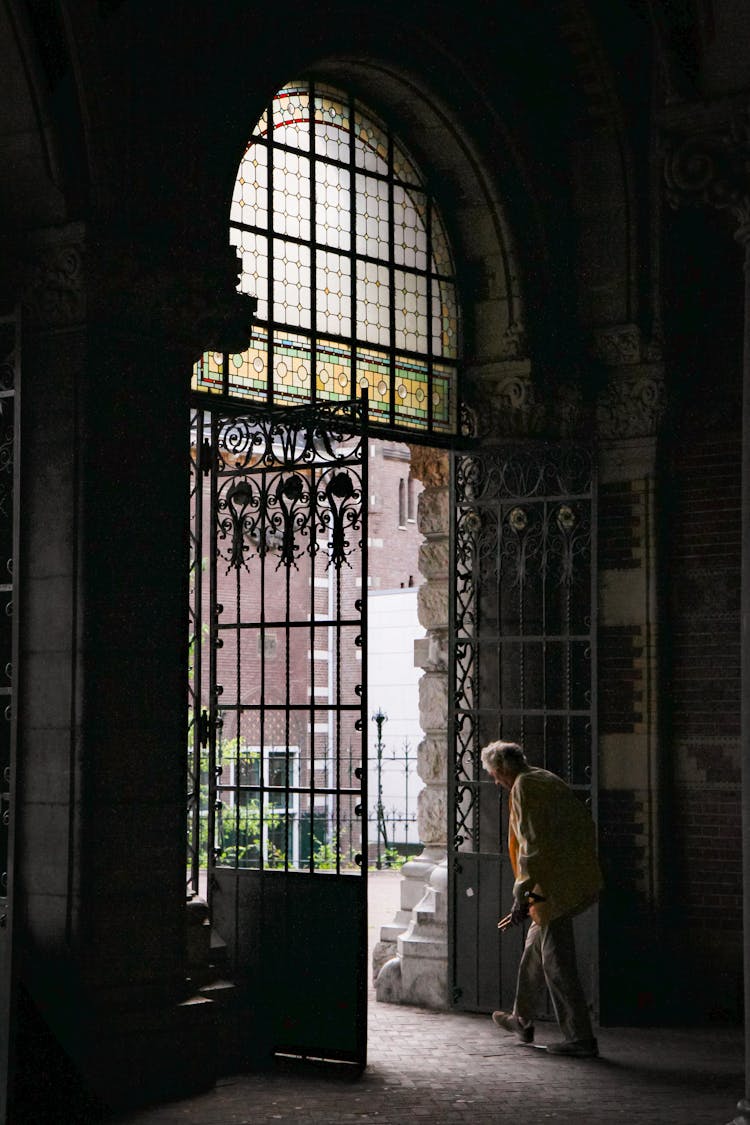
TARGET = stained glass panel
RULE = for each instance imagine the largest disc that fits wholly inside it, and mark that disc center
(332, 130)
(292, 365)
(248, 370)
(252, 250)
(373, 227)
(332, 206)
(371, 144)
(409, 228)
(410, 307)
(334, 370)
(208, 372)
(291, 116)
(348, 259)
(292, 301)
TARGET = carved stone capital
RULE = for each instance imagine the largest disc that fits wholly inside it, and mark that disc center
(616, 345)
(632, 406)
(514, 344)
(711, 167)
(506, 406)
(509, 406)
(53, 278)
(193, 305)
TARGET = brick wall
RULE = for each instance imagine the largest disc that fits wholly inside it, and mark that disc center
(703, 849)
(394, 537)
(620, 678)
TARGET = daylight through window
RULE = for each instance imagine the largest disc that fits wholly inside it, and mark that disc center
(347, 256)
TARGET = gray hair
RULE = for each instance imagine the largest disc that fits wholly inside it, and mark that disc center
(503, 756)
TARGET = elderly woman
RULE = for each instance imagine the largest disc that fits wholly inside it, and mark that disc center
(552, 846)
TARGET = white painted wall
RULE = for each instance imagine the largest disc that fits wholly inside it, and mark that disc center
(393, 688)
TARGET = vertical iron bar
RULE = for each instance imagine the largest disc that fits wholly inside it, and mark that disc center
(212, 639)
(313, 254)
(287, 713)
(338, 719)
(391, 284)
(363, 711)
(197, 654)
(240, 813)
(353, 383)
(593, 637)
(311, 723)
(270, 313)
(544, 626)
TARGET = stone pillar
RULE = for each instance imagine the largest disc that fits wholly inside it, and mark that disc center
(707, 159)
(743, 237)
(106, 359)
(411, 960)
(742, 214)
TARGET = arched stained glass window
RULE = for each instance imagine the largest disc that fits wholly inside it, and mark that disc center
(347, 256)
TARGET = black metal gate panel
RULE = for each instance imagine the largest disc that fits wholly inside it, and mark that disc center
(523, 669)
(279, 675)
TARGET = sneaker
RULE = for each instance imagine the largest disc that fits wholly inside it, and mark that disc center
(575, 1048)
(509, 1021)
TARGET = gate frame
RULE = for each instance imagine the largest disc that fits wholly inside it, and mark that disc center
(474, 447)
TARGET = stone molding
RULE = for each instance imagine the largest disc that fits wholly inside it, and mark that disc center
(53, 277)
(632, 405)
(192, 305)
(505, 406)
(616, 345)
(708, 163)
(68, 277)
(508, 406)
(514, 343)
(430, 466)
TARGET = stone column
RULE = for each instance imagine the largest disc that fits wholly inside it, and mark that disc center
(411, 960)
(707, 160)
(743, 237)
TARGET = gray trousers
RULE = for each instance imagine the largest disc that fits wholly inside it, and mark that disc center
(549, 963)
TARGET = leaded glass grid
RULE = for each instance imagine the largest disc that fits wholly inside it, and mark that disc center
(346, 254)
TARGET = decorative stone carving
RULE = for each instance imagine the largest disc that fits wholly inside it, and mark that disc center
(632, 407)
(434, 558)
(431, 652)
(53, 281)
(710, 167)
(432, 815)
(432, 604)
(433, 512)
(514, 344)
(506, 407)
(617, 345)
(194, 305)
(432, 759)
(433, 701)
(570, 411)
(430, 466)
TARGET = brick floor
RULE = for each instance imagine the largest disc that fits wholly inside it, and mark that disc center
(450, 1068)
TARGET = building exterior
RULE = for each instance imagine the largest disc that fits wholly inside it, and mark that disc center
(575, 482)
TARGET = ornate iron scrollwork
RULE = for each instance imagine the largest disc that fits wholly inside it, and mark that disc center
(284, 474)
(522, 610)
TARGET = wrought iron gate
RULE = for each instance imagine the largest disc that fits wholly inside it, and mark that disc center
(523, 669)
(279, 674)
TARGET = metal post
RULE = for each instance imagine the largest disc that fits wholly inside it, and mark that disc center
(379, 718)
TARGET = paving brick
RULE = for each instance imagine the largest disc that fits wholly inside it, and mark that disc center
(449, 1068)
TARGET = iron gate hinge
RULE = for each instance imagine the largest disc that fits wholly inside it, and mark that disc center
(203, 728)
